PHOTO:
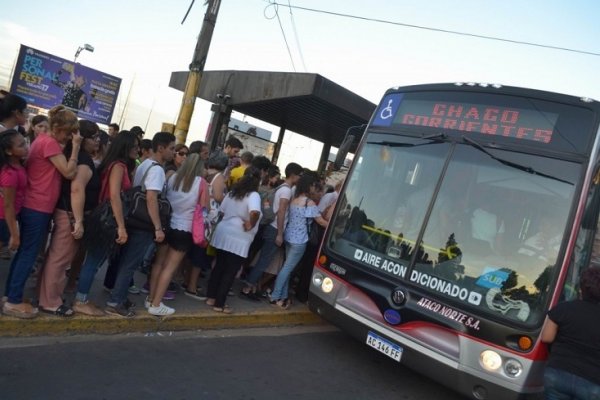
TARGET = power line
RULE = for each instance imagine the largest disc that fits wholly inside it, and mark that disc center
(296, 36)
(283, 33)
(427, 28)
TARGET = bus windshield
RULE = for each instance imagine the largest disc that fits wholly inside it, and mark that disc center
(481, 227)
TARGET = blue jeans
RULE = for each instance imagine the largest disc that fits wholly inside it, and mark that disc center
(267, 252)
(34, 226)
(562, 385)
(94, 258)
(293, 255)
(132, 254)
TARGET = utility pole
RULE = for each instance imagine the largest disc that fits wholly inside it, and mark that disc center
(196, 69)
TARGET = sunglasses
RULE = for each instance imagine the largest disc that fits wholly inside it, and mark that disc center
(182, 153)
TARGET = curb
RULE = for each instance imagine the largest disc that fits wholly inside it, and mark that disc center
(45, 325)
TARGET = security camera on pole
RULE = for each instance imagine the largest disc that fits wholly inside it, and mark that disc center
(196, 69)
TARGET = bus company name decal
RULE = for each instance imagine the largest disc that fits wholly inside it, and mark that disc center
(449, 313)
(445, 287)
(389, 266)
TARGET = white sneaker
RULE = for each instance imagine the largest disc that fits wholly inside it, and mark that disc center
(160, 310)
(147, 303)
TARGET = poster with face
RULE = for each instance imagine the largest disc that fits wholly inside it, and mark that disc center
(45, 80)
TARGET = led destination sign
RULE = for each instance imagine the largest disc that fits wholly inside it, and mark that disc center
(477, 117)
(488, 120)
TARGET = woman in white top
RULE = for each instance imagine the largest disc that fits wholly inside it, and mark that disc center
(199, 259)
(233, 236)
(185, 189)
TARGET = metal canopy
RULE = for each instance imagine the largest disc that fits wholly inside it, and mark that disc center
(308, 104)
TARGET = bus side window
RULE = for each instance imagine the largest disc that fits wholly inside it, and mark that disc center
(587, 245)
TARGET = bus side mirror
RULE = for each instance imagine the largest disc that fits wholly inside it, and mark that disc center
(343, 152)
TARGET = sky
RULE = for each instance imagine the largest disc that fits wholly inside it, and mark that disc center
(143, 41)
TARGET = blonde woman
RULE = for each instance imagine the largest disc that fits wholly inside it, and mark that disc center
(185, 189)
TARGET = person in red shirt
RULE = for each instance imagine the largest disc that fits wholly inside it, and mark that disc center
(45, 166)
(13, 181)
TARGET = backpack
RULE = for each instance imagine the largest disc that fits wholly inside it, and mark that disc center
(266, 201)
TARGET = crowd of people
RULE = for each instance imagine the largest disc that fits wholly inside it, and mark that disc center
(65, 212)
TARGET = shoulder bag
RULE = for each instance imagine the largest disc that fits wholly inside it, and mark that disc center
(138, 216)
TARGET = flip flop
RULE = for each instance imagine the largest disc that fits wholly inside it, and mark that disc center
(62, 311)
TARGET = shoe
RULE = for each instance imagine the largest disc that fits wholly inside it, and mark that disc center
(249, 295)
(129, 304)
(134, 289)
(107, 289)
(195, 295)
(120, 310)
(147, 303)
(5, 254)
(161, 310)
(87, 308)
(22, 310)
(169, 295)
(145, 289)
(231, 293)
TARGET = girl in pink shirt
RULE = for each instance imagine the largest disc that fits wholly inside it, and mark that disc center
(45, 165)
(13, 181)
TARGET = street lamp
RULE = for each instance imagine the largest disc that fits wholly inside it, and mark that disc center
(87, 47)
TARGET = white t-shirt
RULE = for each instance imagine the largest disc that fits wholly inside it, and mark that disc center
(155, 180)
(327, 200)
(183, 204)
(284, 192)
(230, 235)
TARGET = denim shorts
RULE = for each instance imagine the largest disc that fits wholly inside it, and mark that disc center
(179, 240)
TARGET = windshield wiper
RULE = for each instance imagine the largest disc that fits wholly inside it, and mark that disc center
(434, 138)
(520, 167)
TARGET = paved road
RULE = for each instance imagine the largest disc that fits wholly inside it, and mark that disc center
(261, 364)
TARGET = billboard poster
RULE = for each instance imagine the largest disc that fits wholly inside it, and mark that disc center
(45, 80)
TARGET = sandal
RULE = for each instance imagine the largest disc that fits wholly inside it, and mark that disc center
(87, 308)
(225, 310)
(283, 304)
(22, 310)
(61, 311)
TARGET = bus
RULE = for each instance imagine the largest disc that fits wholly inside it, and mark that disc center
(468, 212)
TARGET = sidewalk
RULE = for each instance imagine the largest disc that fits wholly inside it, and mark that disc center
(191, 314)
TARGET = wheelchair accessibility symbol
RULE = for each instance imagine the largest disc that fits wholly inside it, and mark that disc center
(387, 111)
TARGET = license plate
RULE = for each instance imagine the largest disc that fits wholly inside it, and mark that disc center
(384, 346)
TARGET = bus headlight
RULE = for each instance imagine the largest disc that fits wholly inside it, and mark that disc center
(513, 368)
(317, 279)
(327, 285)
(490, 360)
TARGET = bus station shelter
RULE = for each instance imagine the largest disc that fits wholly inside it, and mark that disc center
(308, 104)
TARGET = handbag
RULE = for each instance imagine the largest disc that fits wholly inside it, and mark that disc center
(101, 224)
(202, 229)
(138, 216)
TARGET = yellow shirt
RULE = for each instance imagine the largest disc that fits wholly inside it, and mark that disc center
(235, 175)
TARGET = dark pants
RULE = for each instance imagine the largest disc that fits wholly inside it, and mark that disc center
(562, 385)
(222, 276)
(304, 272)
(34, 228)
